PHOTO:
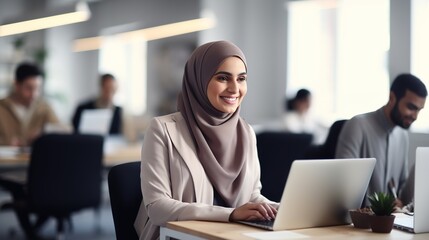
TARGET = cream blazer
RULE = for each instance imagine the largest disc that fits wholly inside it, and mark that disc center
(174, 183)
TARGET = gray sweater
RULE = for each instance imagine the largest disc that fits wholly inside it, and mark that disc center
(373, 135)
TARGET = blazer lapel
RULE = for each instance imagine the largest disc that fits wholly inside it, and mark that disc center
(179, 134)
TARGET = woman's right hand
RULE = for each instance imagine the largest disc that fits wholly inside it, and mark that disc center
(253, 211)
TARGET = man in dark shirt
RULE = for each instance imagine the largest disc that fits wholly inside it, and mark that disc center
(103, 101)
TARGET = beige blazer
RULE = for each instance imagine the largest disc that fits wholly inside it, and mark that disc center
(174, 183)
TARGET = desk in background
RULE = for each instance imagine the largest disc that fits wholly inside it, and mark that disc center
(198, 230)
(116, 151)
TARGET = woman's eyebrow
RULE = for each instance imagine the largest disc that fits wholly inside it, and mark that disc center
(228, 73)
(222, 72)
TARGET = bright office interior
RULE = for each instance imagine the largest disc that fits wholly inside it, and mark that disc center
(345, 51)
(327, 46)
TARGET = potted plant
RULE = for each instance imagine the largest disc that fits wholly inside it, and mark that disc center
(361, 217)
(382, 204)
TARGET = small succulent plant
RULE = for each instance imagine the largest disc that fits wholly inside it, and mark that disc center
(382, 204)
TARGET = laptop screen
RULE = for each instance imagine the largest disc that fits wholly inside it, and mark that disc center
(96, 121)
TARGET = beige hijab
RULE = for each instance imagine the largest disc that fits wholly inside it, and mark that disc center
(222, 139)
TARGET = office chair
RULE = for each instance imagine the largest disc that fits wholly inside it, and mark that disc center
(64, 175)
(125, 198)
(276, 152)
(328, 148)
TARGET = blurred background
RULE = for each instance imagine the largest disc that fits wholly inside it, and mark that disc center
(346, 52)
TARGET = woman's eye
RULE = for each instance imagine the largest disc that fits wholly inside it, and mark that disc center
(222, 78)
(242, 78)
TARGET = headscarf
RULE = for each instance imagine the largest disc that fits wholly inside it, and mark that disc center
(221, 139)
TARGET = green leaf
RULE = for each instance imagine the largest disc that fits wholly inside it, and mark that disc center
(382, 204)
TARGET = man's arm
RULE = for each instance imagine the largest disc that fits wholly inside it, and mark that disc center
(349, 143)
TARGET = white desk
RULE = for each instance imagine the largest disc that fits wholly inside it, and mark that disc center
(198, 230)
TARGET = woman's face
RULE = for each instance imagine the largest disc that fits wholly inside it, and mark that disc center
(303, 105)
(228, 85)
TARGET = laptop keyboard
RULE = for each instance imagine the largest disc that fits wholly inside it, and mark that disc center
(267, 224)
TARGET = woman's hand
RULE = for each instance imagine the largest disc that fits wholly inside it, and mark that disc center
(253, 211)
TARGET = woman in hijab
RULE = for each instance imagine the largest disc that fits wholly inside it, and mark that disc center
(201, 162)
(298, 117)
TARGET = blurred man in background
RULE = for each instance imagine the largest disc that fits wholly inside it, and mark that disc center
(108, 87)
(382, 134)
(24, 114)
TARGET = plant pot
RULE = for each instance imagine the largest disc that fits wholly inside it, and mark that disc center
(360, 219)
(382, 224)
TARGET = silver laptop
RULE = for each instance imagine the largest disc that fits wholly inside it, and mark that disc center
(419, 222)
(320, 193)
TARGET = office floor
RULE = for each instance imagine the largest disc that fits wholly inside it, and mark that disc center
(87, 225)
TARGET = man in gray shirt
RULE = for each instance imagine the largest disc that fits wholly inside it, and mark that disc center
(383, 135)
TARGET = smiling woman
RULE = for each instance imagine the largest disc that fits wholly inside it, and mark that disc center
(201, 163)
(228, 86)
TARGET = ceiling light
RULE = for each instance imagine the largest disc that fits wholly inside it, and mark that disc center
(81, 14)
(147, 34)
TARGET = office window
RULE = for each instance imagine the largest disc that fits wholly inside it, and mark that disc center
(127, 62)
(420, 53)
(338, 49)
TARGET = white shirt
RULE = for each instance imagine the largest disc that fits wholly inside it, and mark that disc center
(304, 123)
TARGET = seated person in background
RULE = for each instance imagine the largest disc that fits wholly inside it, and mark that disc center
(201, 162)
(23, 114)
(382, 134)
(104, 101)
(297, 118)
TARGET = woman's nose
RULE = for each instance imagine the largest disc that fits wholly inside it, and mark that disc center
(233, 86)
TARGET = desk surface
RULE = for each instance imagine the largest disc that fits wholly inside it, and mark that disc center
(113, 156)
(235, 231)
